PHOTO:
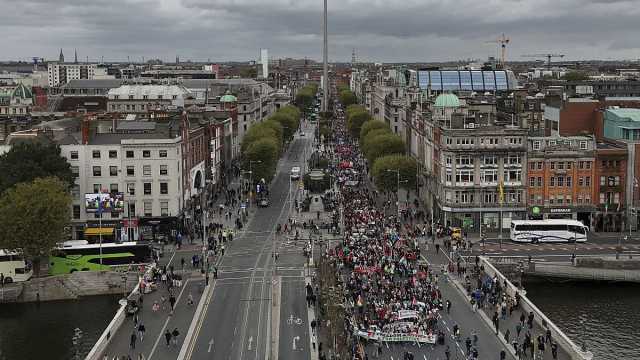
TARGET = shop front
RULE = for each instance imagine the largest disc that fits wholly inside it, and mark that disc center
(157, 228)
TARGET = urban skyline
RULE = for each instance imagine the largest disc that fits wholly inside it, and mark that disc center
(380, 32)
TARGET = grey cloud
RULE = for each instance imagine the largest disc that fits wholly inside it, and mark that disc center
(392, 30)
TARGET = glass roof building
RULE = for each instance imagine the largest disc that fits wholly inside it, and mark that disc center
(467, 80)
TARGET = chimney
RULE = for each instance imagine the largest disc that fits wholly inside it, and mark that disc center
(85, 130)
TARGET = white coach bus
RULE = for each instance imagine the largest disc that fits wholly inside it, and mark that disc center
(541, 231)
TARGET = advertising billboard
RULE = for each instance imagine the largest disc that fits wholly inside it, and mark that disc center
(106, 202)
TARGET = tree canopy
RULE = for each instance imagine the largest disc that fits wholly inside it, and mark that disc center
(371, 125)
(347, 97)
(305, 96)
(575, 76)
(382, 145)
(388, 180)
(364, 144)
(356, 117)
(28, 161)
(263, 153)
(33, 217)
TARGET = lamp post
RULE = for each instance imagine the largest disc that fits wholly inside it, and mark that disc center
(251, 162)
(397, 171)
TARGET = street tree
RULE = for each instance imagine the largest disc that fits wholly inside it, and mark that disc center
(388, 180)
(383, 145)
(288, 122)
(33, 217)
(268, 129)
(355, 119)
(347, 97)
(575, 76)
(372, 125)
(30, 160)
(263, 154)
(364, 144)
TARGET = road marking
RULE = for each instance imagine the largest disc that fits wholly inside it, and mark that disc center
(250, 341)
(164, 327)
(295, 338)
(210, 345)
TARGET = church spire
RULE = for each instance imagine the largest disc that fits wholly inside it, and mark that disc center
(61, 56)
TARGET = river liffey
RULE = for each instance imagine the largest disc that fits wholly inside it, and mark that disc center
(605, 316)
(34, 331)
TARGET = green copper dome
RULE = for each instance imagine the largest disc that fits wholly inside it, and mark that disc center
(447, 101)
(22, 92)
(228, 97)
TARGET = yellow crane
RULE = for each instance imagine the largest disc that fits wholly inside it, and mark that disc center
(502, 41)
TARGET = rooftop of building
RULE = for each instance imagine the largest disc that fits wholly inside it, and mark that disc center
(139, 90)
(626, 114)
(93, 84)
(447, 101)
(610, 145)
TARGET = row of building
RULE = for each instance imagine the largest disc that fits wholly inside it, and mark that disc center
(491, 149)
(157, 145)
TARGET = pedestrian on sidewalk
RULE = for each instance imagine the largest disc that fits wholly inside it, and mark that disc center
(167, 337)
(172, 302)
(313, 327)
(190, 299)
(141, 331)
(132, 344)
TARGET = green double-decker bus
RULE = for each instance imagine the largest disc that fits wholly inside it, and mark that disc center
(81, 256)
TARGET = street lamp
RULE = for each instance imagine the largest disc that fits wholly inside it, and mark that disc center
(397, 172)
(251, 162)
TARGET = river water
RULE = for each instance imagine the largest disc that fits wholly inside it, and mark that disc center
(42, 331)
(605, 316)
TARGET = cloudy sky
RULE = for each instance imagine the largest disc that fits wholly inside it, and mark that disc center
(382, 31)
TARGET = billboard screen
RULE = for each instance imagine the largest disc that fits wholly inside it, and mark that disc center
(106, 202)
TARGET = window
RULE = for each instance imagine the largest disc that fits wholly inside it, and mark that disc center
(464, 160)
(490, 160)
(512, 175)
(464, 176)
(75, 170)
(164, 208)
(490, 176)
(147, 188)
(560, 181)
(540, 183)
(587, 165)
(610, 181)
(131, 171)
(579, 198)
(113, 188)
(113, 171)
(129, 154)
(569, 181)
(132, 208)
(490, 198)
(96, 154)
(162, 153)
(536, 145)
(146, 170)
(532, 198)
(587, 181)
(75, 191)
(540, 163)
(583, 145)
(532, 181)
(76, 211)
(146, 153)
(561, 165)
(580, 181)
(113, 154)
(552, 199)
(514, 159)
(148, 206)
(97, 171)
(449, 176)
(131, 189)
(552, 181)
(164, 188)
(616, 181)
(568, 165)
(604, 163)
(552, 165)
(448, 161)
(96, 188)
(164, 170)
(532, 165)
(73, 155)
(602, 198)
(581, 165)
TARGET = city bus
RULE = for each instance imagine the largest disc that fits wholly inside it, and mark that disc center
(541, 231)
(13, 267)
(74, 256)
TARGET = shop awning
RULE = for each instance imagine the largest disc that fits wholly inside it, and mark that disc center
(97, 231)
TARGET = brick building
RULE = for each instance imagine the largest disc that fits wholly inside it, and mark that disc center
(611, 170)
(561, 178)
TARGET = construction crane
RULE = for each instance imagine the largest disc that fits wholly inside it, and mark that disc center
(502, 41)
(547, 55)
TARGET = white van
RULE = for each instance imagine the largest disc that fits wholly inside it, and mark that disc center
(295, 173)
